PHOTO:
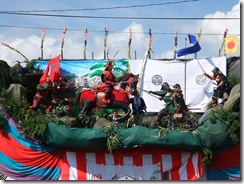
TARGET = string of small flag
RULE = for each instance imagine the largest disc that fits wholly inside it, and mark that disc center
(62, 44)
(85, 41)
(42, 41)
(176, 41)
(150, 41)
(129, 43)
(231, 47)
(223, 41)
(106, 30)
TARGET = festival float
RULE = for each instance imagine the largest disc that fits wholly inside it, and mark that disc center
(52, 140)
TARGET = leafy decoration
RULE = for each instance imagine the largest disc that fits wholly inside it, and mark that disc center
(163, 131)
(112, 141)
(207, 156)
(230, 119)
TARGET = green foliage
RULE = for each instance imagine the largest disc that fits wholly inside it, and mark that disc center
(29, 68)
(233, 80)
(207, 157)
(229, 118)
(163, 131)
(2, 120)
(102, 113)
(112, 141)
(234, 131)
(223, 115)
(15, 77)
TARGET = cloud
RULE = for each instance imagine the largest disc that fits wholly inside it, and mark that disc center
(212, 28)
(29, 42)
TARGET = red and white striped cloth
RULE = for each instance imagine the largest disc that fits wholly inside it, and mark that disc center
(139, 163)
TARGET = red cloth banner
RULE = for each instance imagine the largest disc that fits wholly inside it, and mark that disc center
(54, 68)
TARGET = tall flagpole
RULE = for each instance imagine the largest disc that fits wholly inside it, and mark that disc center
(223, 42)
(129, 43)
(198, 38)
(85, 41)
(62, 45)
(42, 40)
(106, 30)
(149, 43)
(185, 72)
(176, 42)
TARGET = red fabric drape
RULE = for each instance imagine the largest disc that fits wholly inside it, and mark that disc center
(54, 68)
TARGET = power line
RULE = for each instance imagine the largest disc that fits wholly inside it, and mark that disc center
(113, 17)
(124, 32)
(103, 8)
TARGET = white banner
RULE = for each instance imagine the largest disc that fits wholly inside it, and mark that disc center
(197, 88)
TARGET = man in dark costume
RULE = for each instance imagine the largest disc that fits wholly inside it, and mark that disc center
(166, 94)
(181, 109)
(221, 90)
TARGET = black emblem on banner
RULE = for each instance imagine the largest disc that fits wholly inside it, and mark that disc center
(201, 79)
(157, 80)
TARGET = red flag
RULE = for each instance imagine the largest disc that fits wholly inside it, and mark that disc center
(54, 68)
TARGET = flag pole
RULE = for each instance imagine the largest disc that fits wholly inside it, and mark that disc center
(185, 72)
(223, 42)
(198, 38)
(129, 43)
(42, 40)
(62, 45)
(149, 43)
(105, 41)
(175, 45)
(85, 41)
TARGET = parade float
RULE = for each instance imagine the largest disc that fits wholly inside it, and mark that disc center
(37, 144)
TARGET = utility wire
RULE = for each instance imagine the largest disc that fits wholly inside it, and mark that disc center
(113, 17)
(103, 8)
(124, 32)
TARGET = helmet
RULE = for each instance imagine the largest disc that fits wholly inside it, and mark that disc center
(216, 70)
(177, 87)
(165, 84)
(109, 63)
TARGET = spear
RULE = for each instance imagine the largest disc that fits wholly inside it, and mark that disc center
(62, 45)
(42, 40)
(105, 41)
(7, 45)
(152, 94)
(223, 41)
(176, 42)
(129, 44)
(85, 41)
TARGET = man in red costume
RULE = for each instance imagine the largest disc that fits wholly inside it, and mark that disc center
(108, 81)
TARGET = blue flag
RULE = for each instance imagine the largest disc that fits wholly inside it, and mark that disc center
(189, 50)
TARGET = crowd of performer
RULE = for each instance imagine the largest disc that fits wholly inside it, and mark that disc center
(174, 101)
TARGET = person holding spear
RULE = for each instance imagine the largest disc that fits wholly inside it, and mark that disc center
(221, 90)
(165, 94)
